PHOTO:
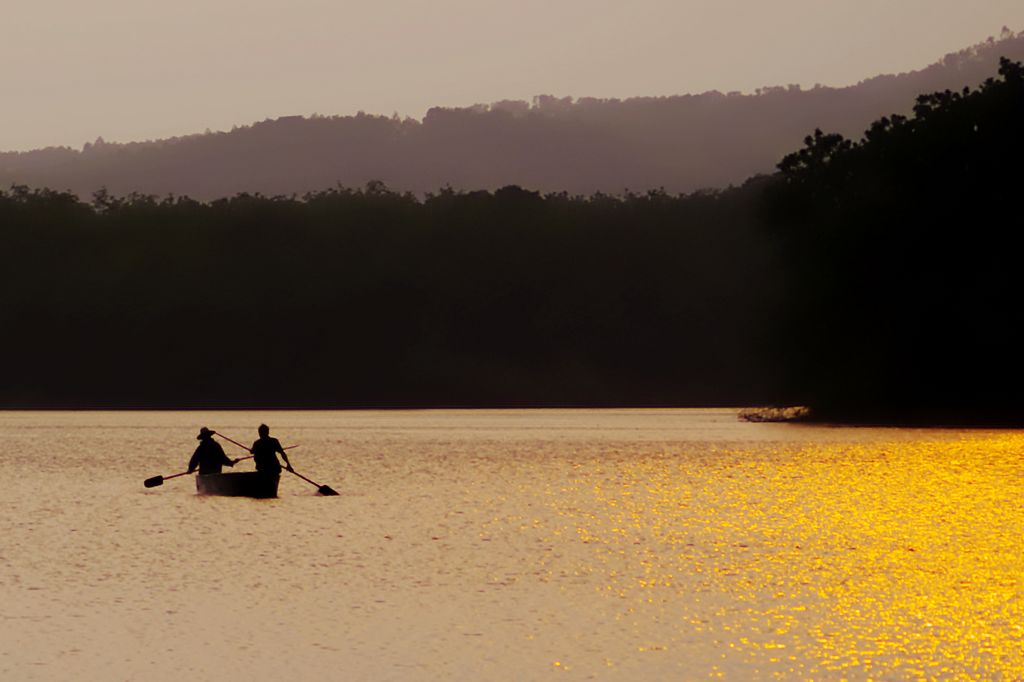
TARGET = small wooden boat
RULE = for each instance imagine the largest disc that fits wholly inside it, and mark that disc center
(238, 484)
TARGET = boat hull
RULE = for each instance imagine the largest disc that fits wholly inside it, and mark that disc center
(238, 484)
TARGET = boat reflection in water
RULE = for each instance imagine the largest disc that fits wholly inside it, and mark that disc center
(238, 484)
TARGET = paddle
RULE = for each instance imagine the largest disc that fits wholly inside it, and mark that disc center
(159, 480)
(324, 490)
(242, 459)
(290, 447)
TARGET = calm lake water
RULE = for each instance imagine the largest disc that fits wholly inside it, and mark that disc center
(512, 545)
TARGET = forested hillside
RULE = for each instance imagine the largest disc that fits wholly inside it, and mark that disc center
(375, 298)
(902, 253)
(872, 280)
(553, 144)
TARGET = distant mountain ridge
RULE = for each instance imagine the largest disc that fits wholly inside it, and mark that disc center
(680, 143)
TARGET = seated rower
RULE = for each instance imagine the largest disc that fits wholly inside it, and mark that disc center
(265, 450)
(209, 456)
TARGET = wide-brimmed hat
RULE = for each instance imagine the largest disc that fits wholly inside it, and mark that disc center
(204, 433)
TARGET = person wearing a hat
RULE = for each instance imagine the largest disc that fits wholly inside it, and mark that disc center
(209, 456)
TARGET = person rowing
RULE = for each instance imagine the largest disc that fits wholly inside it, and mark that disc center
(265, 451)
(209, 457)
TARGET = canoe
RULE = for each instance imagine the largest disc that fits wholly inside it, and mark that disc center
(238, 484)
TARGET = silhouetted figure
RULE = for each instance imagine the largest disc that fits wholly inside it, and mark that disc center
(265, 450)
(209, 456)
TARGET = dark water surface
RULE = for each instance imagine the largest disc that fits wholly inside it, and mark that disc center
(607, 544)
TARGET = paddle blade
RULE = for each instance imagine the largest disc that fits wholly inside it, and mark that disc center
(327, 490)
(153, 482)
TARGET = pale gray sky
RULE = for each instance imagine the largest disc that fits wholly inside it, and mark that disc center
(141, 69)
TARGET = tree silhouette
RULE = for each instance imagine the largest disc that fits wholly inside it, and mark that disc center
(903, 250)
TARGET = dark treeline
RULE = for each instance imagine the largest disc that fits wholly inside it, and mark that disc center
(679, 143)
(376, 298)
(904, 257)
(872, 280)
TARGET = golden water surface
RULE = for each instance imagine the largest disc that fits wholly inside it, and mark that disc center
(513, 545)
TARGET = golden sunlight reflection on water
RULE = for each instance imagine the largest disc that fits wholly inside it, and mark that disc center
(630, 544)
(837, 560)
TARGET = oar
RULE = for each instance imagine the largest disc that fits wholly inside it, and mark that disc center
(242, 459)
(290, 447)
(325, 490)
(159, 480)
(244, 446)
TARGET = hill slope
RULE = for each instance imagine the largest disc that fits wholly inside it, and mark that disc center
(680, 143)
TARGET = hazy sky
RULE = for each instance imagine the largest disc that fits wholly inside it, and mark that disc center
(140, 69)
